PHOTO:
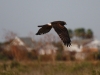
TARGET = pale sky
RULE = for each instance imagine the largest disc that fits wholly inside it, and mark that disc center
(23, 16)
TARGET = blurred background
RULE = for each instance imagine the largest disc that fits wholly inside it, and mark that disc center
(20, 47)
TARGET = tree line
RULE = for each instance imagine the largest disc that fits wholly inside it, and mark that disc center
(81, 33)
(78, 33)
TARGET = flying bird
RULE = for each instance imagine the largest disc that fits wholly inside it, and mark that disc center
(60, 29)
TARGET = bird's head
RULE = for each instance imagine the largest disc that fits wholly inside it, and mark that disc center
(65, 23)
(62, 22)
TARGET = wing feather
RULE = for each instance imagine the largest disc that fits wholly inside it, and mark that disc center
(63, 34)
(44, 29)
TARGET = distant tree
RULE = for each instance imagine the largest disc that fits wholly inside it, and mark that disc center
(80, 32)
(70, 33)
(8, 35)
(89, 34)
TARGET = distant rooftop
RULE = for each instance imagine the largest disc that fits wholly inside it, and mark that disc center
(28, 41)
(82, 42)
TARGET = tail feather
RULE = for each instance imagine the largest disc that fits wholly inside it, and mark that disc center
(37, 33)
(40, 25)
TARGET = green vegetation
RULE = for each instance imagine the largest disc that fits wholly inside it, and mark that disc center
(81, 33)
(49, 68)
(3, 57)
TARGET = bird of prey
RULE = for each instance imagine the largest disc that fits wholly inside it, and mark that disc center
(60, 29)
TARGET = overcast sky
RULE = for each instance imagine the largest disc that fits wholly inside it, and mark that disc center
(23, 16)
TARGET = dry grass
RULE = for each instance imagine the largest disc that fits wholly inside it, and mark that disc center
(49, 68)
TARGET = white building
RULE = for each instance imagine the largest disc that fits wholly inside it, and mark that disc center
(47, 49)
(25, 42)
(93, 44)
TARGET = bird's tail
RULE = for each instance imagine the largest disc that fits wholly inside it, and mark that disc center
(40, 25)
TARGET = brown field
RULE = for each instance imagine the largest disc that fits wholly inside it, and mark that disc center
(50, 68)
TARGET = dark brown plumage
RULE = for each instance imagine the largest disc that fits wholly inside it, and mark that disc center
(59, 28)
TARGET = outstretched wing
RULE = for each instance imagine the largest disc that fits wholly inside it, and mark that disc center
(63, 34)
(44, 29)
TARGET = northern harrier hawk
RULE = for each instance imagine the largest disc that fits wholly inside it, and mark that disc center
(59, 28)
